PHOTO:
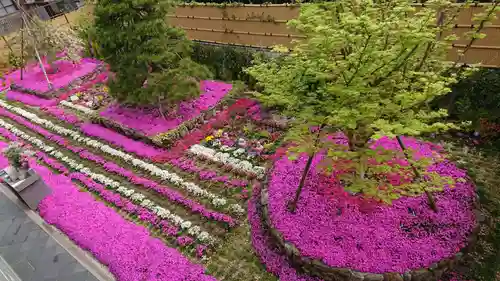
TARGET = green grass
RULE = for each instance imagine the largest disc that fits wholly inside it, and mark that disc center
(483, 165)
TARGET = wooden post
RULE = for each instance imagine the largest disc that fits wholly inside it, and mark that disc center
(7, 44)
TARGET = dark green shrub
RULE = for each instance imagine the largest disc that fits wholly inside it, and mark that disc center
(151, 59)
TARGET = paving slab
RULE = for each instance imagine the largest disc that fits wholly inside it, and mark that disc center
(30, 250)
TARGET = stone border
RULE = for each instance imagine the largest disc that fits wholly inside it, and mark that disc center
(319, 269)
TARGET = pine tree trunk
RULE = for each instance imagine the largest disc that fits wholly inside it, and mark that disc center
(292, 206)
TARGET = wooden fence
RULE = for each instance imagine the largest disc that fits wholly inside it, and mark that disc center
(265, 26)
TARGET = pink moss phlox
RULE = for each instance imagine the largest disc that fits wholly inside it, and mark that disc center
(61, 114)
(127, 249)
(112, 167)
(30, 99)
(151, 123)
(275, 262)
(137, 147)
(171, 194)
(8, 135)
(342, 232)
(34, 79)
(190, 166)
(184, 241)
(200, 250)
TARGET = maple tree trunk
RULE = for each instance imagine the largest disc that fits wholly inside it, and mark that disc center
(292, 206)
(430, 197)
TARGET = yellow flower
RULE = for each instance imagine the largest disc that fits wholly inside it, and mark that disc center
(209, 138)
(99, 98)
(105, 89)
(219, 133)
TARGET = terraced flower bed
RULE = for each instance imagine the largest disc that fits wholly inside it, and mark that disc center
(192, 196)
(150, 122)
(191, 205)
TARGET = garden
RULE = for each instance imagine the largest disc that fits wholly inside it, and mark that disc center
(357, 154)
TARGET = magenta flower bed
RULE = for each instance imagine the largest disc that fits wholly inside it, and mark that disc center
(127, 249)
(275, 262)
(120, 140)
(30, 99)
(61, 114)
(337, 229)
(34, 79)
(150, 122)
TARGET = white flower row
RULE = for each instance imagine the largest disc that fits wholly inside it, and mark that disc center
(151, 168)
(227, 159)
(236, 152)
(78, 107)
(135, 196)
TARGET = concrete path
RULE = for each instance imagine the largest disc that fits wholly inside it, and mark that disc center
(31, 250)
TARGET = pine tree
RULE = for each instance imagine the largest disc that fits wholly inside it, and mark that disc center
(150, 58)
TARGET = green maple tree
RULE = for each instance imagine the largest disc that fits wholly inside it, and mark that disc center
(367, 69)
(150, 58)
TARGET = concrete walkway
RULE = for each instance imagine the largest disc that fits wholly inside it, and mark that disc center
(31, 250)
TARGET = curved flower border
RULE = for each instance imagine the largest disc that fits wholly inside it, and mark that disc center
(151, 168)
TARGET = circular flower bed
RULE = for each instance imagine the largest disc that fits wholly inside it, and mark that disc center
(333, 229)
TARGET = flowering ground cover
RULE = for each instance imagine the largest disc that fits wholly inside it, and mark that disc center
(34, 79)
(114, 197)
(127, 249)
(196, 205)
(29, 99)
(337, 228)
(150, 122)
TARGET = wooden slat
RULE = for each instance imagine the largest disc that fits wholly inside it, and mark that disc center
(278, 12)
(253, 25)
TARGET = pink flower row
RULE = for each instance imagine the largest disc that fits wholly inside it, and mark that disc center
(190, 165)
(165, 191)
